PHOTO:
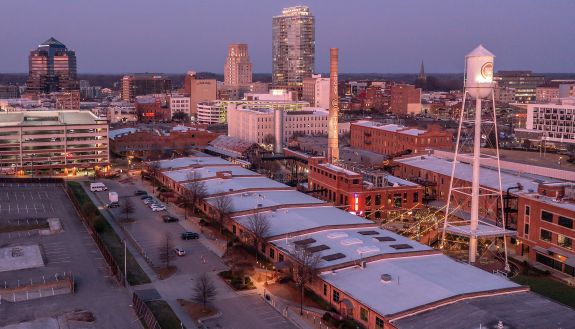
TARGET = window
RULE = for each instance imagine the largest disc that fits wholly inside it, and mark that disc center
(526, 229)
(546, 235)
(363, 314)
(378, 199)
(416, 197)
(378, 322)
(565, 222)
(281, 257)
(335, 296)
(547, 216)
(564, 241)
(527, 210)
(325, 289)
(397, 200)
(368, 200)
(272, 253)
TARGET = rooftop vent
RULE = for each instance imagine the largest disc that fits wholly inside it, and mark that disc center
(333, 257)
(386, 278)
(401, 246)
(368, 232)
(304, 242)
(384, 238)
(367, 249)
(319, 248)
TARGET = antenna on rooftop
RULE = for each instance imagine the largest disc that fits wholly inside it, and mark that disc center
(478, 85)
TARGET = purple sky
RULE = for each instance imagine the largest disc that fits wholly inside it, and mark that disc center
(173, 36)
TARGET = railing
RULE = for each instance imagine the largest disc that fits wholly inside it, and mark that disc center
(144, 313)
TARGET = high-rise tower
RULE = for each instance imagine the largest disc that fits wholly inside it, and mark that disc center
(293, 47)
(52, 67)
(238, 68)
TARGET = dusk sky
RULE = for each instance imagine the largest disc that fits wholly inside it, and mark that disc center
(173, 36)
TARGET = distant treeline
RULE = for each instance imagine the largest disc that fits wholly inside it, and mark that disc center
(435, 81)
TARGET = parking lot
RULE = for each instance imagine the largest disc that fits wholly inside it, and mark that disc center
(71, 251)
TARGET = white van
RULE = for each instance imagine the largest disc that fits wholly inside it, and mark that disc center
(97, 187)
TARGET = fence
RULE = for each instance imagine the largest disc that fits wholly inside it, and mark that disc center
(144, 313)
(110, 261)
(42, 180)
(136, 245)
(23, 290)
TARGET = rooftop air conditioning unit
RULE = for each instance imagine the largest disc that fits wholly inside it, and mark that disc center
(385, 278)
(363, 264)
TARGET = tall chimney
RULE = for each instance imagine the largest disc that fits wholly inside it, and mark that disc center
(278, 130)
(332, 131)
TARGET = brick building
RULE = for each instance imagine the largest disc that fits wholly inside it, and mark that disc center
(405, 99)
(151, 144)
(392, 139)
(153, 108)
(373, 195)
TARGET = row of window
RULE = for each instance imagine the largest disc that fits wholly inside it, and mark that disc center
(562, 240)
(363, 312)
(548, 217)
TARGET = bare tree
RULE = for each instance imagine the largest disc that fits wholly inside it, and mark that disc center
(194, 191)
(204, 290)
(128, 209)
(259, 227)
(223, 207)
(153, 169)
(166, 250)
(305, 267)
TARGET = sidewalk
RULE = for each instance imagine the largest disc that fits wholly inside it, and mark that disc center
(311, 318)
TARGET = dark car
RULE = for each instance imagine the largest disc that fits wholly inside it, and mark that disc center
(113, 205)
(169, 219)
(146, 197)
(190, 236)
(140, 192)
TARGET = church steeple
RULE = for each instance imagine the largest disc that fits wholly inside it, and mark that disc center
(421, 75)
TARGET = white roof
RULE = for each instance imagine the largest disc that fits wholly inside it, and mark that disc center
(480, 51)
(488, 176)
(235, 184)
(292, 220)
(339, 169)
(390, 127)
(207, 172)
(354, 243)
(415, 281)
(192, 161)
(112, 134)
(263, 199)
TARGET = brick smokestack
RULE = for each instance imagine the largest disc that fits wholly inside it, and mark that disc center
(332, 131)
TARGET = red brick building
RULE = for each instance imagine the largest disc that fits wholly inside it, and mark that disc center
(545, 230)
(373, 196)
(392, 139)
(405, 99)
(148, 143)
(153, 108)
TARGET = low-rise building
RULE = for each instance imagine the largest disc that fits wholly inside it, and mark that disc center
(179, 103)
(53, 142)
(375, 195)
(392, 139)
(405, 99)
(555, 120)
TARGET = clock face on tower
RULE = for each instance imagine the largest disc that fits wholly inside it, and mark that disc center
(487, 71)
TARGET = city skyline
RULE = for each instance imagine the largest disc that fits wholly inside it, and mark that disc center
(378, 37)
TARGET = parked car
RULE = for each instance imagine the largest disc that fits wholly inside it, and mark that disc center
(180, 251)
(190, 236)
(113, 205)
(146, 197)
(169, 219)
(148, 201)
(140, 192)
(158, 208)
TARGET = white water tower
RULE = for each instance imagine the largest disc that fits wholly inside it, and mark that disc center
(479, 73)
(479, 86)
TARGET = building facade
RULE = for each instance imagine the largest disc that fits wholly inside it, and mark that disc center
(546, 93)
(293, 47)
(257, 125)
(52, 67)
(9, 92)
(179, 103)
(316, 91)
(66, 100)
(202, 90)
(238, 68)
(504, 95)
(524, 82)
(405, 100)
(393, 139)
(375, 199)
(53, 142)
(556, 121)
(211, 113)
(140, 84)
